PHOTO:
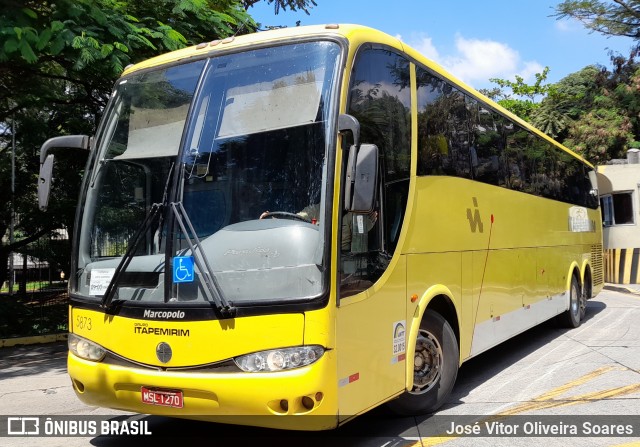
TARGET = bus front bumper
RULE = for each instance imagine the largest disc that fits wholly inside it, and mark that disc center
(300, 399)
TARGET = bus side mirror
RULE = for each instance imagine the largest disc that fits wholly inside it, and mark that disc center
(44, 182)
(47, 161)
(366, 179)
(350, 123)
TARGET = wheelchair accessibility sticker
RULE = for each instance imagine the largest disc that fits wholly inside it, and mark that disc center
(183, 269)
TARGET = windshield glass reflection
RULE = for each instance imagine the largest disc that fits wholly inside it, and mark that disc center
(255, 146)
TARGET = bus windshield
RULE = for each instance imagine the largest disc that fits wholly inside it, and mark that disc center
(238, 143)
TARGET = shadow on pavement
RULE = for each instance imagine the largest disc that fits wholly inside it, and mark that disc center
(20, 361)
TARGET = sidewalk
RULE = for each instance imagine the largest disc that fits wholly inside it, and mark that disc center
(32, 340)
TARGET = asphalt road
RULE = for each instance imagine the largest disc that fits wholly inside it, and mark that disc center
(545, 377)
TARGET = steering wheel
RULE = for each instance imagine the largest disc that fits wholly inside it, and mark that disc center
(284, 215)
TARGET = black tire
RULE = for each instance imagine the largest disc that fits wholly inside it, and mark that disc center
(437, 358)
(572, 317)
(584, 296)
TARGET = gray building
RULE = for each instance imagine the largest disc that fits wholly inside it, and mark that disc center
(619, 188)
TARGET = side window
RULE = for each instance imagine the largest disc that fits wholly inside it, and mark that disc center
(488, 146)
(444, 124)
(617, 209)
(606, 207)
(380, 98)
(462, 137)
(524, 156)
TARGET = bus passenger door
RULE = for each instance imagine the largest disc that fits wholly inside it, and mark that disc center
(371, 316)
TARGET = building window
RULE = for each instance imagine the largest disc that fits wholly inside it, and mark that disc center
(617, 209)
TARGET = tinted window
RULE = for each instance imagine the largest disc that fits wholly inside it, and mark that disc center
(460, 136)
(487, 146)
(444, 125)
(380, 98)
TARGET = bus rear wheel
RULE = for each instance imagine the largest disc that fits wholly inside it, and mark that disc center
(436, 360)
(577, 303)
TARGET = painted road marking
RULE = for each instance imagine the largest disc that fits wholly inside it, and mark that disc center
(550, 400)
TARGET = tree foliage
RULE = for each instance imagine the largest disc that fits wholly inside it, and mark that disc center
(58, 62)
(293, 5)
(602, 104)
(595, 111)
(612, 18)
(519, 97)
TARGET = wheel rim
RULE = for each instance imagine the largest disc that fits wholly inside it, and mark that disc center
(427, 363)
(576, 302)
(583, 304)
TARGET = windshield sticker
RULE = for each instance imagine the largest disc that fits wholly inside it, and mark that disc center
(183, 269)
(100, 279)
(360, 221)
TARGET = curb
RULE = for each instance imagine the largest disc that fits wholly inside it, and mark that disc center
(36, 339)
(622, 289)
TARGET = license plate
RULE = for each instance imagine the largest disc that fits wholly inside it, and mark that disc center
(163, 398)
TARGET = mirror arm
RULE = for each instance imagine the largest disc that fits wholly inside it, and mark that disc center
(349, 122)
(47, 159)
(70, 141)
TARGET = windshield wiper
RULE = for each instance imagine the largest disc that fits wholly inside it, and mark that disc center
(154, 212)
(201, 261)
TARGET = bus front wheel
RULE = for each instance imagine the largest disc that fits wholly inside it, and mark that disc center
(436, 360)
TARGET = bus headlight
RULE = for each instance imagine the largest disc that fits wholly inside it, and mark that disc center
(85, 349)
(279, 359)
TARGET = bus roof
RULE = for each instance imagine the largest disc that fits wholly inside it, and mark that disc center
(275, 35)
(354, 33)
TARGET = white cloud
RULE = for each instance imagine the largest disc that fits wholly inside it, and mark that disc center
(530, 69)
(475, 61)
(481, 59)
(425, 46)
(568, 26)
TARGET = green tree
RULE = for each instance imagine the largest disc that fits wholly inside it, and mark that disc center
(595, 111)
(601, 134)
(294, 5)
(612, 18)
(58, 62)
(567, 102)
(604, 105)
(520, 98)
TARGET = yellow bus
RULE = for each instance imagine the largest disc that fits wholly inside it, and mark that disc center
(312, 222)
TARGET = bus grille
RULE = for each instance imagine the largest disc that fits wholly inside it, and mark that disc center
(597, 265)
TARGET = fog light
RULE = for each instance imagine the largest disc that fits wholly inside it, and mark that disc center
(307, 402)
(79, 386)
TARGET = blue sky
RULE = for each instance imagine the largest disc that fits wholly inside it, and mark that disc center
(475, 40)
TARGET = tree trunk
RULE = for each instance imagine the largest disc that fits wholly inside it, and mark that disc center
(4, 265)
(23, 281)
